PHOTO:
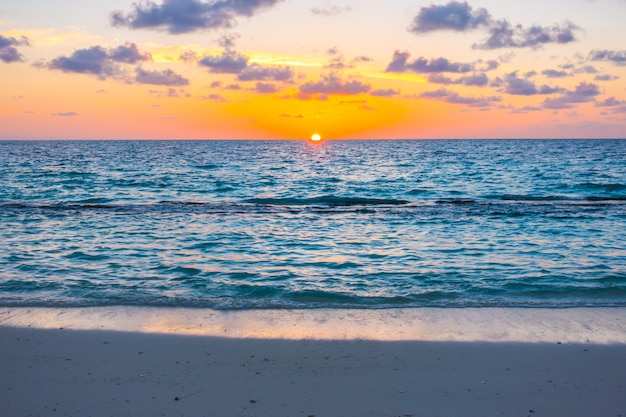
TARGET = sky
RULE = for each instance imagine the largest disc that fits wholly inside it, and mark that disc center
(286, 69)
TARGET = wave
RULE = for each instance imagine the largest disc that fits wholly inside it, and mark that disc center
(488, 204)
(329, 200)
(609, 188)
(521, 198)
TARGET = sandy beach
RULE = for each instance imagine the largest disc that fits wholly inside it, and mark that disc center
(80, 370)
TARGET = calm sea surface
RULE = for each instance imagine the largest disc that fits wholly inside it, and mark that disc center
(292, 224)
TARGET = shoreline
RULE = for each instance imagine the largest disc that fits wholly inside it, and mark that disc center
(145, 362)
(605, 325)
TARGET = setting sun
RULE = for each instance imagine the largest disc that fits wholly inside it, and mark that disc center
(316, 137)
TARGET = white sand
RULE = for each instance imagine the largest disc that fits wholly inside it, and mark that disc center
(147, 362)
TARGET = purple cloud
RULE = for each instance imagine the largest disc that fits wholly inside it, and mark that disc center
(361, 58)
(610, 102)
(64, 114)
(8, 50)
(98, 60)
(584, 92)
(183, 16)
(400, 63)
(460, 16)
(337, 63)
(266, 88)
(551, 73)
(384, 93)
(165, 77)
(492, 64)
(441, 93)
(455, 98)
(229, 62)
(216, 97)
(256, 72)
(476, 80)
(94, 60)
(605, 77)
(524, 87)
(452, 16)
(228, 40)
(330, 10)
(615, 57)
(587, 69)
(129, 54)
(503, 34)
(333, 84)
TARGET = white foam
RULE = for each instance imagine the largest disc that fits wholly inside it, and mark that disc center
(577, 325)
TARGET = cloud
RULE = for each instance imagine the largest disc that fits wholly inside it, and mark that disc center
(361, 58)
(610, 102)
(615, 57)
(98, 60)
(587, 69)
(229, 62)
(266, 88)
(256, 72)
(333, 84)
(297, 116)
(183, 16)
(94, 60)
(491, 65)
(476, 80)
(455, 98)
(330, 10)
(400, 63)
(524, 87)
(460, 16)
(337, 63)
(8, 50)
(228, 40)
(164, 77)
(216, 97)
(525, 109)
(452, 16)
(128, 54)
(171, 92)
(441, 93)
(551, 73)
(504, 35)
(64, 114)
(605, 77)
(619, 110)
(188, 56)
(384, 93)
(584, 92)
(480, 101)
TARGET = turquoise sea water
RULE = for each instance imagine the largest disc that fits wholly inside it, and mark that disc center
(292, 224)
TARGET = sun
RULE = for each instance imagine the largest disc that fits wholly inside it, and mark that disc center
(316, 137)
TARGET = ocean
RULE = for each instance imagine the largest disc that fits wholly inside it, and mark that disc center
(298, 225)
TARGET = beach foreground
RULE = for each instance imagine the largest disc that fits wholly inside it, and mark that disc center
(80, 371)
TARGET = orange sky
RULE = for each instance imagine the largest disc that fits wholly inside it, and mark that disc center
(282, 69)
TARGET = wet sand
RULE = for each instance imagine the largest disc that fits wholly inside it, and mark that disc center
(70, 367)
